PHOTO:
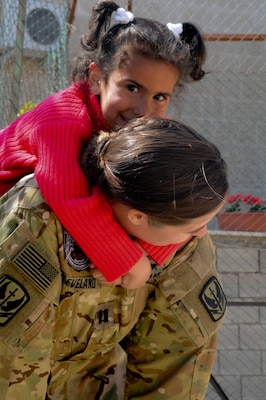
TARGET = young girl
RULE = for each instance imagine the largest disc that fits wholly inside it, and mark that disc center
(61, 330)
(127, 70)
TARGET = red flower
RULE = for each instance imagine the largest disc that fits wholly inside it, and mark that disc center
(246, 203)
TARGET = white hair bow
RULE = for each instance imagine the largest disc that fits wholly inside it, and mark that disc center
(123, 16)
(177, 29)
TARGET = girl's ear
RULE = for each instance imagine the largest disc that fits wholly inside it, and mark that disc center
(136, 217)
(95, 78)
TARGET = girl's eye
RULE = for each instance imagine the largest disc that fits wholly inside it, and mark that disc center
(132, 88)
(160, 97)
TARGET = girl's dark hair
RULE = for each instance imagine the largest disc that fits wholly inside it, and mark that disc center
(110, 46)
(158, 166)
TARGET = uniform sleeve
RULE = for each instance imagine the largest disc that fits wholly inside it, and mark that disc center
(171, 350)
(87, 217)
(34, 278)
(169, 368)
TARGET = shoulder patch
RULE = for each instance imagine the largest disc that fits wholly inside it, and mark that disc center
(13, 297)
(213, 298)
(75, 257)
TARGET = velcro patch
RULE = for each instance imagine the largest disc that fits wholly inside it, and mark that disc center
(213, 298)
(13, 297)
(35, 266)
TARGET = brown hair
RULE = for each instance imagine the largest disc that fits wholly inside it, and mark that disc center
(110, 47)
(158, 166)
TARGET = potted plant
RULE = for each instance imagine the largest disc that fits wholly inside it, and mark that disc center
(244, 213)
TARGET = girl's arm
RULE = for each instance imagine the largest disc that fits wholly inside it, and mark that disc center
(88, 217)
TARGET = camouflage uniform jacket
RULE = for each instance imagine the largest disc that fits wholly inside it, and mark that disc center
(63, 336)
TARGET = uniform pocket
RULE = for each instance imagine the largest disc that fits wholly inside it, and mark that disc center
(94, 320)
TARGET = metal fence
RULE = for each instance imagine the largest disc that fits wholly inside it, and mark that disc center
(33, 53)
(227, 106)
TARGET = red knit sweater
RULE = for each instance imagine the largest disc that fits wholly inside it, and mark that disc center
(48, 141)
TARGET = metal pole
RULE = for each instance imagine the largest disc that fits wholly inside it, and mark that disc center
(129, 5)
(18, 57)
(72, 9)
(218, 388)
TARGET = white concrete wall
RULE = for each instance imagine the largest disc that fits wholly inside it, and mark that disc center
(241, 359)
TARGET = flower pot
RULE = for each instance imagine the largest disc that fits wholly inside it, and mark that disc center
(242, 221)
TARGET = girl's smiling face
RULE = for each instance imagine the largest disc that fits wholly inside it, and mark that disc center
(140, 87)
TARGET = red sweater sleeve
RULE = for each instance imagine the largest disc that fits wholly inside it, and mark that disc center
(160, 254)
(87, 217)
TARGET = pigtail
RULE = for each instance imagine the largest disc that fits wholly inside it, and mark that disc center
(191, 36)
(99, 23)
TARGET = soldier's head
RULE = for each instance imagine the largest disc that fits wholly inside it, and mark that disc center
(160, 170)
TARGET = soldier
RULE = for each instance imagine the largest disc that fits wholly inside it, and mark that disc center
(65, 334)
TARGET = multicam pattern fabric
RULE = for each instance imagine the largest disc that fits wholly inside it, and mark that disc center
(63, 336)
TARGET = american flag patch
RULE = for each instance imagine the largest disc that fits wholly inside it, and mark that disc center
(37, 268)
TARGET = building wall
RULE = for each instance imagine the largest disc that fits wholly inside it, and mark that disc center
(240, 365)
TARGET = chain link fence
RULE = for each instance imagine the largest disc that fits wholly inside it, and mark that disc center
(33, 53)
(227, 106)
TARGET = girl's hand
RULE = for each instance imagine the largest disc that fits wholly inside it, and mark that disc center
(96, 273)
(138, 275)
(135, 278)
